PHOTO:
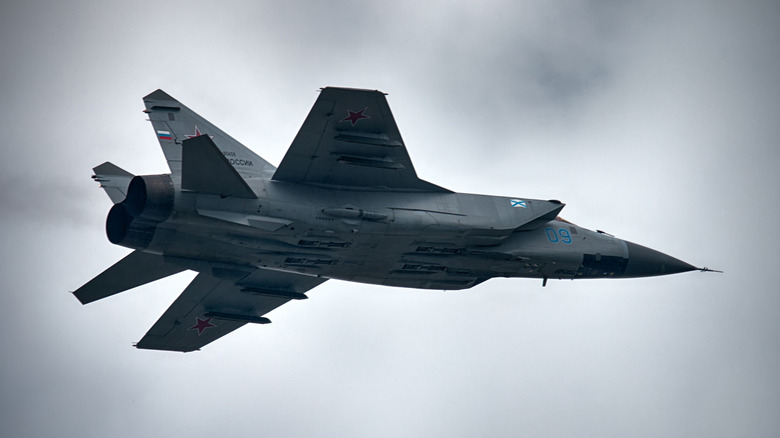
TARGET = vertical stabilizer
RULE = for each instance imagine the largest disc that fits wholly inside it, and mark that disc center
(173, 123)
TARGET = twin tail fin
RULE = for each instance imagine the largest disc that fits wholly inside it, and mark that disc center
(174, 123)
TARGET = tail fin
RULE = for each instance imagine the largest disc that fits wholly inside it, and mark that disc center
(204, 169)
(173, 123)
(113, 179)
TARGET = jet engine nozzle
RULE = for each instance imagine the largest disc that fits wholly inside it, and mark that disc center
(123, 229)
(149, 201)
(150, 197)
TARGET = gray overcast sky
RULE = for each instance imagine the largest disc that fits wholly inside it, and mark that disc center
(655, 121)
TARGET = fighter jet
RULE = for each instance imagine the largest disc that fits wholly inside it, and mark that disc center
(345, 203)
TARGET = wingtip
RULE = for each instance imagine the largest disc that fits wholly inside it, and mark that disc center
(364, 90)
(82, 301)
(110, 169)
(158, 94)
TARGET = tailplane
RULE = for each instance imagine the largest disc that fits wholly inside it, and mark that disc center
(173, 123)
(113, 179)
(136, 269)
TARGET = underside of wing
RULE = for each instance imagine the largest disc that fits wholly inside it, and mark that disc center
(350, 140)
(217, 303)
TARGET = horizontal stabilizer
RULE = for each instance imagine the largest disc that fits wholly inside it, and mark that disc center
(206, 170)
(113, 179)
(137, 269)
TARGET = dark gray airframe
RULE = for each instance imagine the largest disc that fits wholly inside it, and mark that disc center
(344, 203)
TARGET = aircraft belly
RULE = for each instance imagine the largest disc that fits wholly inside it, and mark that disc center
(406, 248)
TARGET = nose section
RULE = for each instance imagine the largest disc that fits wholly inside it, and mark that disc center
(646, 262)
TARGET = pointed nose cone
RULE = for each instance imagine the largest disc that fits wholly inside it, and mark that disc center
(646, 262)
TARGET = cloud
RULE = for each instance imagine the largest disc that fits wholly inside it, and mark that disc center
(654, 121)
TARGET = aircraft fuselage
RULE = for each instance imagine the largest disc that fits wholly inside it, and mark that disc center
(407, 239)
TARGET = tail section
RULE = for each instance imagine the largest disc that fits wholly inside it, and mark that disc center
(173, 123)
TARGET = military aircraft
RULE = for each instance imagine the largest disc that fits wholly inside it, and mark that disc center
(345, 203)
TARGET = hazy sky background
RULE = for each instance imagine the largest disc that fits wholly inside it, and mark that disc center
(655, 121)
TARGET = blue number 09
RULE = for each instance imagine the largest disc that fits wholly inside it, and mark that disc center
(561, 235)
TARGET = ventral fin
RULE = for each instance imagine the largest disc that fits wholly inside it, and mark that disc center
(206, 170)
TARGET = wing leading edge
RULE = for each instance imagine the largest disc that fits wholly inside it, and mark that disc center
(350, 140)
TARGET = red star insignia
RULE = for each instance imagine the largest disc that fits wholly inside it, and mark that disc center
(354, 116)
(201, 325)
(196, 134)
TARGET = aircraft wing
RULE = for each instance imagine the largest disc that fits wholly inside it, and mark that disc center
(350, 139)
(215, 305)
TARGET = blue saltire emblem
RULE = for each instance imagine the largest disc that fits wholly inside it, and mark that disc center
(517, 203)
